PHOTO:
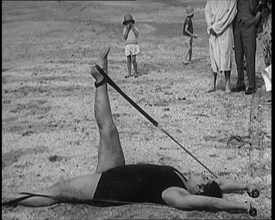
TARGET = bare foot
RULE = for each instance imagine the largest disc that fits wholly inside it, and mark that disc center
(103, 63)
(211, 90)
(186, 62)
(227, 88)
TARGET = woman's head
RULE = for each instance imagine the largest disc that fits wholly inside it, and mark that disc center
(202, 185)
(212, 189)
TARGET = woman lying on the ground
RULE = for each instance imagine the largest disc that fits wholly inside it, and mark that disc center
(115, 183)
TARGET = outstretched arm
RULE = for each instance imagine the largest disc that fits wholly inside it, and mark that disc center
(230, 185)
(180, 198)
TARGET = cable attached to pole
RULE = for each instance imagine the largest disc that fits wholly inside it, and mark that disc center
(153, 121)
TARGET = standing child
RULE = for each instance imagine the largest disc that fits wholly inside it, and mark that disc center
(188, 33)
(130, 35)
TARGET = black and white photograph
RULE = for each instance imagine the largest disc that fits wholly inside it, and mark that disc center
(138, 109)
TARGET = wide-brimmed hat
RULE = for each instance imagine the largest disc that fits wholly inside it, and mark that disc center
(127, 18)
(189, 10)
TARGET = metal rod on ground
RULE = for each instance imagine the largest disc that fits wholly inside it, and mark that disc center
(187, 151)
(63, 199)
(154, 122)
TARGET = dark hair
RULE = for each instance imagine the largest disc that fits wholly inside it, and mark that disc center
(212, 189)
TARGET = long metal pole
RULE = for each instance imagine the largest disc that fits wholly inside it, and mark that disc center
(153, 121)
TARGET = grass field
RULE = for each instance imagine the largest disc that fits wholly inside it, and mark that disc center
(48, 96)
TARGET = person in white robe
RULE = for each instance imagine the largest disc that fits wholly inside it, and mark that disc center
(219, 18)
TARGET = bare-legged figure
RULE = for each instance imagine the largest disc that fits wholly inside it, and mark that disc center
(220, 33)
(114, 181)
(227, 82)
(213, 89)
(110, 153)
(131, 59)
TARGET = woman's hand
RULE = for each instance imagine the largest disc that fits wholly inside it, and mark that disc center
(129, 25)
(212, 32)
(252, 191)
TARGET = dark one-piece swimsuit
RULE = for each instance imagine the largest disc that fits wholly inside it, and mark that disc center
(139, 183)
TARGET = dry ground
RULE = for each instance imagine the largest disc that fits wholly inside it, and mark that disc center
(48, 127)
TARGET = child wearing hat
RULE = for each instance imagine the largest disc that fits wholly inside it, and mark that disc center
(188, 33)
(130, 35)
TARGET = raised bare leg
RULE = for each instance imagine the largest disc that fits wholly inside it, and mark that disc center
(110, 153)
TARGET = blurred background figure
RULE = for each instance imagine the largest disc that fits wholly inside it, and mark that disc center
(130, 35)
(188, 34)
(245, 33)
(219, 18)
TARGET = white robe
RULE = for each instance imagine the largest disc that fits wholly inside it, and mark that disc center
(219, 15)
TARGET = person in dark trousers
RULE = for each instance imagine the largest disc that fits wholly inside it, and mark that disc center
(245, 33)
(117, 183)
